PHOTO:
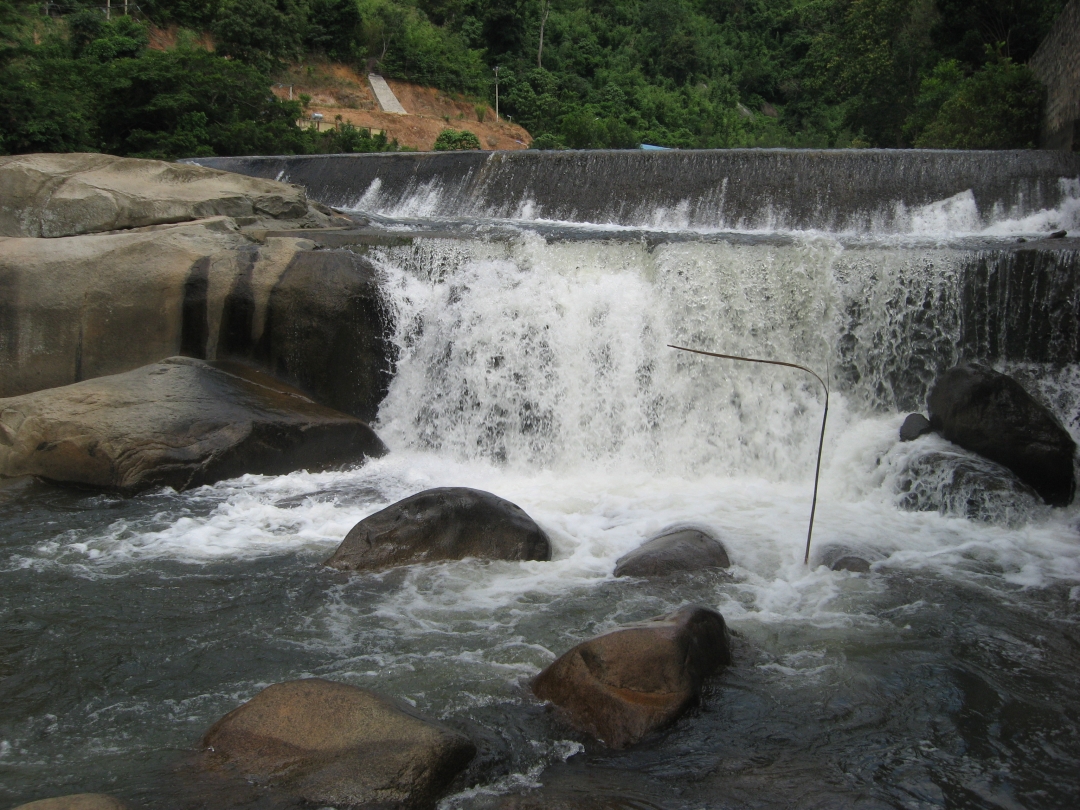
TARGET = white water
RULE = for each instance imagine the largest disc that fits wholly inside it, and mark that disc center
(540, 371)
(953, 217)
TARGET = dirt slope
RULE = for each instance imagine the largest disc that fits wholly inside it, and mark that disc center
(338, 90)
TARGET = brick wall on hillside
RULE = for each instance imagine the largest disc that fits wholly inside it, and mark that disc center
(1057, 64)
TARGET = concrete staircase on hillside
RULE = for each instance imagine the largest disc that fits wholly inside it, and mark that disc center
(387, 100)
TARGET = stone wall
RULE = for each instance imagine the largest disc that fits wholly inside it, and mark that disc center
(1057, 64)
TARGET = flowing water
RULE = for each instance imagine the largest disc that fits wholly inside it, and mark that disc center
(533, 362)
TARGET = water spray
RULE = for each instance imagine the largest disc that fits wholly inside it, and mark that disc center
(824, 416)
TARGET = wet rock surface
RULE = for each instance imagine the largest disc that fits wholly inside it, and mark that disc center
(80, 307)
(962, 485)
(447, 523)
(991, 414)
(179, 423)
(671, 552)
(915, 425)
(76, 801)
(851, 563)
(56, 195)
(623, 685)
(330, 742)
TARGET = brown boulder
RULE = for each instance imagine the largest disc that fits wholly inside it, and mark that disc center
(179, 423)
(76, 801)
(671, 552)
(625, 684)
(80, 307)
(448, 523)
(53, 195)
(333, 743)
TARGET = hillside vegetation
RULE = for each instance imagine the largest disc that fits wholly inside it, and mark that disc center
(575, 73)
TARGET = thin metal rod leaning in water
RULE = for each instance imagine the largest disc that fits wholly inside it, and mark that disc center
(821, 438)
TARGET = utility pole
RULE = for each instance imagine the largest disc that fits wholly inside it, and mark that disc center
(108, 9)
(496, 92)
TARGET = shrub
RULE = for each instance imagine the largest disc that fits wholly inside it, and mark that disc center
(454, 139)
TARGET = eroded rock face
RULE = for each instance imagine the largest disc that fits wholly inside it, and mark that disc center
(76, 801)
(623, 685)
(672, 552)
(991, 414)
(179, 423)
(333, 743)
(448, 523)
(80, 307)
(53, 195)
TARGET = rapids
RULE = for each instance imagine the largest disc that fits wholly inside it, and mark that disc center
(532, 361)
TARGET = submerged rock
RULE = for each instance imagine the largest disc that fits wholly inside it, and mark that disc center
(448, 523)
(55, 195)
(962, 485)
(179, 423)
(76, 801)
(329, 742)
(914, 426)
(623, 685)
(671, 552)
(851, 563)
(991, 414)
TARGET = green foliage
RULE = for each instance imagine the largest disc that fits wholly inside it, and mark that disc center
(997, 107)
(454, 139)
(261, 32)
(614, 73)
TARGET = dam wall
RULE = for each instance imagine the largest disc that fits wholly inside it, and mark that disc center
(855, 191)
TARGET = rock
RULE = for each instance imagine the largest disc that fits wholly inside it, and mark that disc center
(448, 523)
(52, 195)
(179, 423)
(625, 684)
(914, 426)
(855, 564)
(76, 801)
(962, 485)
(80, 307)
(991, 414)
(671, 552)
(333, 743)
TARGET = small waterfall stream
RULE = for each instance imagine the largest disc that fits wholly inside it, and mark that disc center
(531, 339)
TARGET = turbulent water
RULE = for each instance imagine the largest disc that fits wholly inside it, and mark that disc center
(533, 362)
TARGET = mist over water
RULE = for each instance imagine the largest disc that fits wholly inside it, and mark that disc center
(535, 364)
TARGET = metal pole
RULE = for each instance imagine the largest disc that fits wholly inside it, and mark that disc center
(821, 438)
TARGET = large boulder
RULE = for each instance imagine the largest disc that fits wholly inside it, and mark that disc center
(76, 801)
(332, 743)
(80, 307)
(51, 195)
(991, 414)
(448, 523)
(671, 552)
(625, 684)
(179, 423)
(959, 484)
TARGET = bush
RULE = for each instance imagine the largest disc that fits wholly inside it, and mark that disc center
(998, 107)
(454, 139)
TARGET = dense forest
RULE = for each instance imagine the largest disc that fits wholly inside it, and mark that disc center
(76, 76)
